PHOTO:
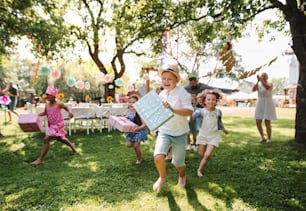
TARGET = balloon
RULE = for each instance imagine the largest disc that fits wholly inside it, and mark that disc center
(100, 75)
(45, 70)
(87, 85)
(119, 82)
(107, 78)
(71, 82)
(111, 86)
(56, 74)
(146, 76)
(5, 100)
(79, 84)
(130, 88)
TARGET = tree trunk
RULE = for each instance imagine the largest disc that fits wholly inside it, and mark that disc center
(300, 119)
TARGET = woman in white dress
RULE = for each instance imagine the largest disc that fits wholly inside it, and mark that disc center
(265, 109)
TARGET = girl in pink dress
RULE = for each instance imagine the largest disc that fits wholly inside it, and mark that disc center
(56, 124)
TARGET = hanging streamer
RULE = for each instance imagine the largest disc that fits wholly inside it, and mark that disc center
(37, 65)
(254, 71)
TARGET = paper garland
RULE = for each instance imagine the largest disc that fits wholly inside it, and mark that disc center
(119, 82)
(56, 74)
(107, 78)
(87, 85)
(131, 88)
(254, 71)
(79, 84)
(71, 82)
(146, 76)
(45, 70)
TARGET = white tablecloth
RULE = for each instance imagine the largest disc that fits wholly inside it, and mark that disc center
(92, 111)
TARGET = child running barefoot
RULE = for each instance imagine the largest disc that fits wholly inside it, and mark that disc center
(140, 133)
(208, 137)
(55, 124)
(174, 132)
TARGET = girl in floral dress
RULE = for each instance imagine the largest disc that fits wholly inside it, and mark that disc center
(56, 124)
(140, 133)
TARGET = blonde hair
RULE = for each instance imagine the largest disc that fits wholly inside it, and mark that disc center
(202, 96)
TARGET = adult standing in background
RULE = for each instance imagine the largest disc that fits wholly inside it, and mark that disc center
(196, 87)
(12, 91)
(265, 109)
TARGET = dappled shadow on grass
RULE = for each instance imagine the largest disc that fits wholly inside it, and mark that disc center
(104, 170)
(261, 176)
(104, 173)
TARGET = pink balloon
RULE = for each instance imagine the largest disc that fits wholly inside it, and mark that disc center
(56, 74)
(107, 78)
(146, 76)
(130, 88)
(79, 84)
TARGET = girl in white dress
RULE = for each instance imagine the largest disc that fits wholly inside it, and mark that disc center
(211, 122)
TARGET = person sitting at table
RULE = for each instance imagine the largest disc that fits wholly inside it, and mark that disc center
(56, 124)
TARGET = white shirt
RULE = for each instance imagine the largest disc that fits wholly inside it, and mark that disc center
(178, 98)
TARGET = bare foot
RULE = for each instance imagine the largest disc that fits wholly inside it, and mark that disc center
(37, 162)
(199, 173)
(73, 148)
(158, 184)
(181, 181)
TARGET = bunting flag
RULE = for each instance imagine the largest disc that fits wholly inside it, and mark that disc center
(227, 57)
(170, 45)
(213, 72)
(254, 71)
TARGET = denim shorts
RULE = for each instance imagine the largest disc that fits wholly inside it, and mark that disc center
(178, 145)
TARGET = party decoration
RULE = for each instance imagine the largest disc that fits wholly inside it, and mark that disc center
(71, 82)
(107, 78)
(109, 99)
(130, 88)
(87, 98)
(111, 86)
(79, 84)
(60, 96)
(56, 74)
(119, 82)
(254, 71)
(146, 76)
(5, 100)
(87, 85)
(45, 70)
(100, 75)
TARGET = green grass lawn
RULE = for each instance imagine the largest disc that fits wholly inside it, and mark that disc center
(241, 175)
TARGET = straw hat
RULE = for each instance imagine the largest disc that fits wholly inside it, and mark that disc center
(172, 68)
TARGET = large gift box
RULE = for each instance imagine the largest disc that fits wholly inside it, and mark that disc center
(30, 123)
(121, 123)
(152, 111)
